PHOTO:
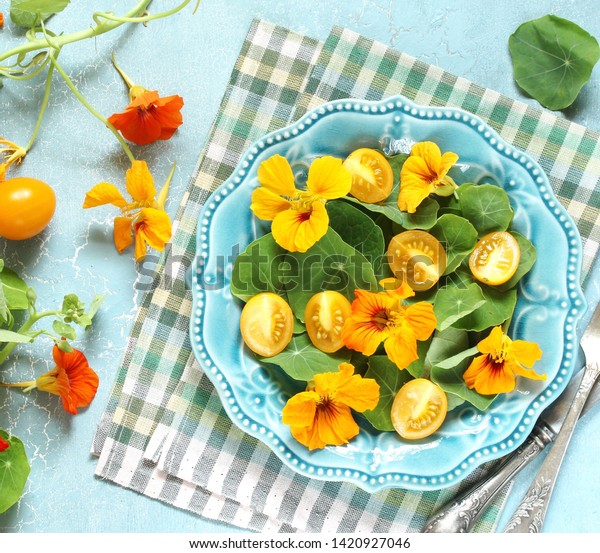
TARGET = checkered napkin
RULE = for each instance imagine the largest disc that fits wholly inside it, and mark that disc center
(164, 432)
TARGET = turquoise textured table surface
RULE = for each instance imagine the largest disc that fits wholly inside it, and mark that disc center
(193, 56)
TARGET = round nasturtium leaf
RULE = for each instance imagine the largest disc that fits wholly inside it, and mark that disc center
(552, 59)
(14, 470)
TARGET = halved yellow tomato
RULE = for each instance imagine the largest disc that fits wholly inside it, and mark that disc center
(495, 258)
(324, 316)
(267, 324)
(418, 258)
(419, 409)
(372, 175)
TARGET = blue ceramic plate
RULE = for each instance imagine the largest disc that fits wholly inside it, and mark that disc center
(550, 299)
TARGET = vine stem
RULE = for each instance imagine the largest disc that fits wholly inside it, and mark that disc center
(45, 100)
(110, 22)
(34, 318)
(89, 107)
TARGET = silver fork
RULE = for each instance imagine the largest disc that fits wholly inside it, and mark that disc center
(530, 514)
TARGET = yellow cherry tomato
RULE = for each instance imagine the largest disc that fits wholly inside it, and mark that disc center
(372, 176)
(26, 207)
(324, 316)
(495, 258)
(417, 257)
(419, 409)
(267, 324)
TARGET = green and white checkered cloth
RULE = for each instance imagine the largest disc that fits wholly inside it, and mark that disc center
(164, 433)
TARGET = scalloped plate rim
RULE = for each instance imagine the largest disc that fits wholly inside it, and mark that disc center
(362, 479)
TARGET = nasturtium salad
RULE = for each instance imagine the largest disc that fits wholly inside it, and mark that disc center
(386, 288)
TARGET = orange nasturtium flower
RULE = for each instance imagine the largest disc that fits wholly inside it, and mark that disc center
(381, 317)
(299, 216)
(72, 379)
(321, 415)
(503, 359)
(148, 117)
(4, 445)
(425, 172)
(144, 217)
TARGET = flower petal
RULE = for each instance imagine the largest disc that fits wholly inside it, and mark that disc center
(297, 231)
(366, 327)
(155, 225)
(276, 174)
(328, 178)
(140, 183)
(430, 153)
(447, 161)
(102, 194)
(266, 204)
(522, 371)
(413, 190)
(300, 409)
(489, 378)
(526, 353)
(83, 379)
(167, 114)
(401, 348)
(122, 233)
(493, 343)
(334, 424)
(421, 318)
(356, 392)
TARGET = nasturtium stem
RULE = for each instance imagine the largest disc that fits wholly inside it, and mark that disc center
(109, 23)
(38, 123)
(6, 351)
(89, 107)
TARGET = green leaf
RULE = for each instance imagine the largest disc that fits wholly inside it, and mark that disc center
(453, 303)
(358, 230)
(63, 345)
(330, 264)
(95, 305)
(498, 307)
(417, 368)
(448, 375)
(423, 218)
(260, 268)
(445, 344)
(458, 236)
(486, 206)
(301, 360)
(14, 470)
(390, 380)
(64, 330)
(552, 59)
(526, 262)
(29, 13)
(4, 310)
(15, 290)
(8, 336)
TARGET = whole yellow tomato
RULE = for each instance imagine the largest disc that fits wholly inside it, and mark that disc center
(26, 207)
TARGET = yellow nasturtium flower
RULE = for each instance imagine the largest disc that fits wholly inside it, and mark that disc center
(143, 218)
(299, 216)
(503, 359)
(322, 414)
(425, 172)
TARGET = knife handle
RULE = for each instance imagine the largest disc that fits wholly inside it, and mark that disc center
(462, 513)
(530, 514)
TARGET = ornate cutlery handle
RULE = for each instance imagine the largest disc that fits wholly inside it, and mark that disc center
(529, 515)
(461, 515)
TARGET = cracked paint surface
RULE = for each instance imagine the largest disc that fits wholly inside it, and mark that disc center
(193, 57)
